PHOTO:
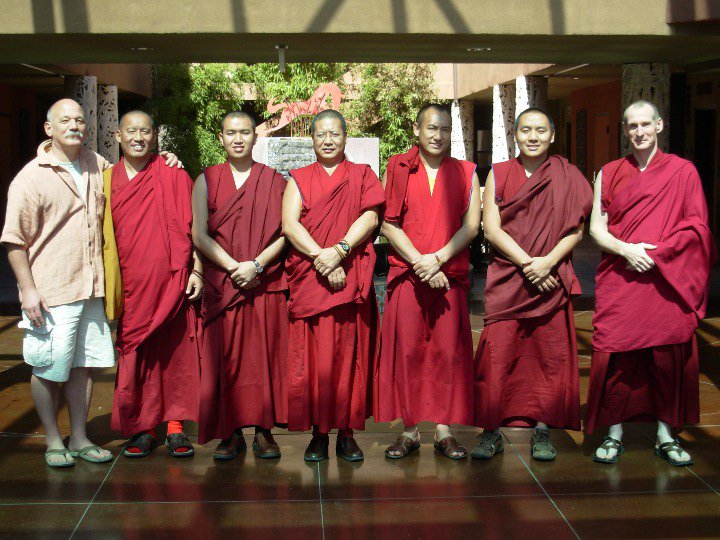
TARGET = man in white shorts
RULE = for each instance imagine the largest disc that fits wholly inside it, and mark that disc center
(53, 233)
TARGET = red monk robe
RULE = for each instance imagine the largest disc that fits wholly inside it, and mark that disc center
(425, 363)
(158, 371)
(333, 334)
(645, 361)
(526, 362)
(245, 331)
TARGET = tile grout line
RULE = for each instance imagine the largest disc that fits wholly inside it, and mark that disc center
(686, 467)
(364, 499)
(322, 514)
(703, 481)
(94, 496)
(542, 488)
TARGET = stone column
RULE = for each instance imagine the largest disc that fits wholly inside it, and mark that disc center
(84, 91)
(108, 122)
(503, 138)
(162, 130)
(530, 92)
(650, 82)
(461, 139)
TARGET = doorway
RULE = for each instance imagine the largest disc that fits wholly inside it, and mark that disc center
(601, 142)
(705, 159)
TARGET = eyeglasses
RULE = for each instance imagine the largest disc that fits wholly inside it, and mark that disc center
(324, 135)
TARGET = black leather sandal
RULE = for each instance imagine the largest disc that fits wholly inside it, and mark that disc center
(663, 450)
(609, 444)
(179, 440)
(143, 442)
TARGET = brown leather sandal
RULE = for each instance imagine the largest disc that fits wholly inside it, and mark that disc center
(449, 446)
(404, 445)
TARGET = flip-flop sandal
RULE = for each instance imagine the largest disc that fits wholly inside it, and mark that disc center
(609, 443)
(663, 450)
(59, 464)
(404, 445)
(145, 442)
(448, 446)
(83, 454)
(179, 440)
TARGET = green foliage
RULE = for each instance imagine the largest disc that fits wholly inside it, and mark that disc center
(297, 83)
(191, 99)
(389, 96)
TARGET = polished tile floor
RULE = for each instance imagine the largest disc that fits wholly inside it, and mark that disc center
(423, 496)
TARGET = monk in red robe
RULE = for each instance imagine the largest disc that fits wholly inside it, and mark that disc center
(650, 218)
(425, 363)
(158, 373)
(237, 227)
(526, 362)
(330, 210)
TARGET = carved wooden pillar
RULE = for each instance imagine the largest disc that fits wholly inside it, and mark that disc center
(530, 92)
(108, 122)
(650, 82)
(503, 138)
(84, 91)
(461, 140)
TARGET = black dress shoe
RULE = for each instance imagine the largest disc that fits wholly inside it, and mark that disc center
(348, 449)
(317, 450)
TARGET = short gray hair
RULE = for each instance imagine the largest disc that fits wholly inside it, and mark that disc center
(641, 103)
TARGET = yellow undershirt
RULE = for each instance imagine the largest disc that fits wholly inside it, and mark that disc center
(431, 181)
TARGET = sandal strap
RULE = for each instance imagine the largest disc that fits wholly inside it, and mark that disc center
(87, 449)
(145, 442)
(450, 445)
(178, 440)
(58, 452)
(672, 446)
(610, 443)
(403, 444)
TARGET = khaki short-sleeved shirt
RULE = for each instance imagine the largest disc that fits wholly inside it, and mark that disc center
(61, 233)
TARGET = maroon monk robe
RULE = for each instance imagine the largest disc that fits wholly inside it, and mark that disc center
(645, 364)
(159, 364)
(245, 331)
(526, 362)
(333, 334)
(424, 368)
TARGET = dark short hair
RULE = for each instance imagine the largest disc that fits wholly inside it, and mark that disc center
(425, 108)
(137, 111)
(328, 113)
(535, 110)
(238, 114)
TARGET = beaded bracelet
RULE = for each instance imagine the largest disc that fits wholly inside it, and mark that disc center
(340, 251)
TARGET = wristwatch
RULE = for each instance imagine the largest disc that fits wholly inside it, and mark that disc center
(258, 266)
(344, 246)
